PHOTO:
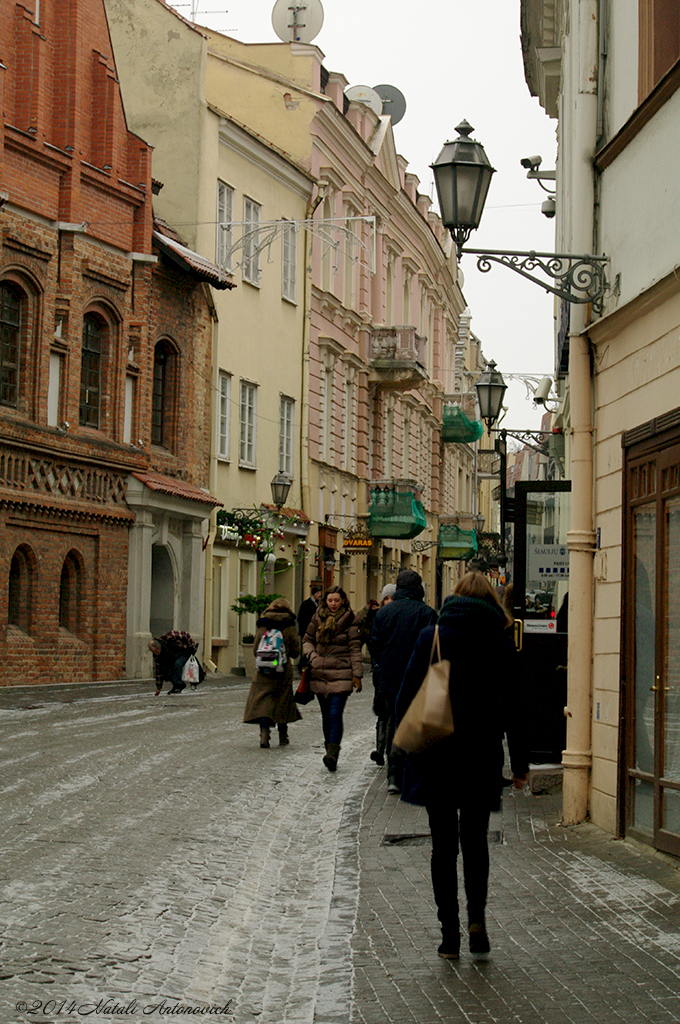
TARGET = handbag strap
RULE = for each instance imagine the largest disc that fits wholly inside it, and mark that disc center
(435, 643)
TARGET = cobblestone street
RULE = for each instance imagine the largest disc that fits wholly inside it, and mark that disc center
(156, 861)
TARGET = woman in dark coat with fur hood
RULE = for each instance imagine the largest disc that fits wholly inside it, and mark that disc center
(270, 700)
(332, 646)
(459, 779)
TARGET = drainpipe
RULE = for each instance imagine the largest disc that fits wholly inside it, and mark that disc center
(577, 758)
(210, 539)
(306, 349)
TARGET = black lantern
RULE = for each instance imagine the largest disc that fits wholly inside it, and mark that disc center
(462, 174)
(280, 486)
(491, 390)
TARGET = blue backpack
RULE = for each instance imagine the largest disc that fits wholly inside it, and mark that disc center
(270, 655)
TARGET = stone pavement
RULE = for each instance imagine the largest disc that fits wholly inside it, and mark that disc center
(155, 863)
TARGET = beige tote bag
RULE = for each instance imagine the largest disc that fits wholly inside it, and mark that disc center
(429, 717)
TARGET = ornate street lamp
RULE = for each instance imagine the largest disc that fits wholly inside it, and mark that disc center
(462, 173)
(280, 486)
(491, 390)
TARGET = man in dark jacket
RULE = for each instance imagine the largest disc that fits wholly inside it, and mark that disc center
(395, 630)
(306, 613)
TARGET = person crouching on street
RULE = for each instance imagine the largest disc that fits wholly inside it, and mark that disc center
(170, 654)
(458, 780)
(270, 699)
(333, 648)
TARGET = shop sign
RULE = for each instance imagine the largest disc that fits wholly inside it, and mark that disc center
(547, 562)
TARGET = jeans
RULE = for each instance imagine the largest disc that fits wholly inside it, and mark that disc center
(332, 706)
(453, 828)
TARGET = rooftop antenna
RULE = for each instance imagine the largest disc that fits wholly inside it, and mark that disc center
(297, 21)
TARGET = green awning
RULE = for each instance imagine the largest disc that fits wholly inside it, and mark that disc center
(455, 543)
(396, 516)
(457, 427)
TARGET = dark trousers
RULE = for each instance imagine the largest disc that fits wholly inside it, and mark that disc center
(332, 706)
(463, 828)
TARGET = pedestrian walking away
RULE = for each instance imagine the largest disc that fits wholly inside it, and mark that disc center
(170, 654)
(270, 699)
(395, 631)
(333, 648)
(380, 705)
(459, 779)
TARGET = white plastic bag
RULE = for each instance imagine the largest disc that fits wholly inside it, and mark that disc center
(191, 672)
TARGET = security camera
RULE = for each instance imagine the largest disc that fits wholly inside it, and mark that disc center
(531, 162)
(543, 390)
(548, 207)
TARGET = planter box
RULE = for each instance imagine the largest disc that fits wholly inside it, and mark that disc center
(249, 661)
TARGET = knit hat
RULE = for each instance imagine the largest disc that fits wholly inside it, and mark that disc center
(388, 591)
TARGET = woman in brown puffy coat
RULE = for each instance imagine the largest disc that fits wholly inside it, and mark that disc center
(333, 648)
(270, 700)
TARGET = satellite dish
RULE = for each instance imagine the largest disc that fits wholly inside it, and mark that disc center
(364, 94)
(297, 21)
(393, 102)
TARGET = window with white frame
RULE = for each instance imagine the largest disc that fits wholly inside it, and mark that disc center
(286, 435)
(225, 231)
(251, 240)
(289, 262)
(248, 424)
(224, 416)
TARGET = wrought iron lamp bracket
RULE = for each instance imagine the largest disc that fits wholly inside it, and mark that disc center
(423, 545)
(535, 439)
(575, 278)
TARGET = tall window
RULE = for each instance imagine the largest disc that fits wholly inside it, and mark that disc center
(225, 232)
(91, 372)
(20, 589)
(161, 398)
(224, 416)
(10, 336)
(248, 425)
(327, 380)
(406, 441)
(350, 425)
(70, 593)
(289, 262)
(286, 435)
(251, 240)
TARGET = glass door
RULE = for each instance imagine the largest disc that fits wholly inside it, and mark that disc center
(651, 647)
(540, 589)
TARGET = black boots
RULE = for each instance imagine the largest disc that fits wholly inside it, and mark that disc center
(378, 755)
(331, 756)
(264, 735)
(283, 736)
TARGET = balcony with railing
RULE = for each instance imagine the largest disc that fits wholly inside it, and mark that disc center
(397, 358)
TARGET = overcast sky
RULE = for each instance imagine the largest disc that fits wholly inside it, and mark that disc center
(451, 60)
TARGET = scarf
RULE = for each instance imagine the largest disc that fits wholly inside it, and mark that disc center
(329, 624)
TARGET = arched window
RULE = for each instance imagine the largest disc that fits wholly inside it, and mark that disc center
(10, 345)
(71, 593)
(94, 339)
(163, 403)
(21, 578)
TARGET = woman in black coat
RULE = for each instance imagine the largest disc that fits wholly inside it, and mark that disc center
(459, 779)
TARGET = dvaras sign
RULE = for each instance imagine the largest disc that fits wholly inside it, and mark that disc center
(351, 545)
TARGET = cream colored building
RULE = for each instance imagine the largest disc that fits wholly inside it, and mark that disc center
(381, 326)
(610, 75)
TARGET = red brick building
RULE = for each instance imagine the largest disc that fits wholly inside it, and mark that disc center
(105, 351)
